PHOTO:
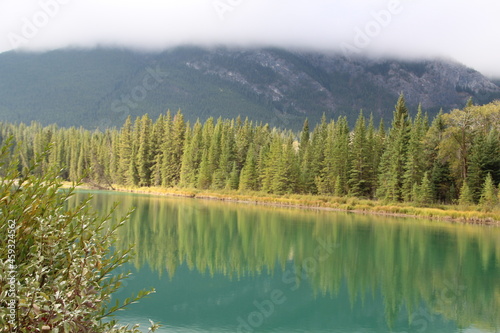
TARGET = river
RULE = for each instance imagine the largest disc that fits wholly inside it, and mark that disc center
(228, 267)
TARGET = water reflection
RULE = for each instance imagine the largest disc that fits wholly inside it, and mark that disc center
(425, 269)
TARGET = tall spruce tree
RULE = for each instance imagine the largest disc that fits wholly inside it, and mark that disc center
(489, 197)
(249, 175)
(466, 198)
(125, 151)
(359, 176)
(415, 162)
(144, 153)
(157, 137)
(425, 195)
(191, 158)
(173, 149)
(393, 163)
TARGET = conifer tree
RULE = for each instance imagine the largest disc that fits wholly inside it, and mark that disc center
(125, 150)
(191, 158)
(144, 156)
(132, 172)
(466, 198)
(415, 162)
(166, 150)
(359, 174)
(243, 139)
(327, 174)
(425, 194)
(157, 137)
(205, 174)
(74, 150)
(394, 159)
(234, 178)
(342, 156)
(249, 175)
(114, 157)
(484, 159)
(306, 178)
(443, 182)
(210, 161)
(316, 157)
(488, 198)
(271, 175)
(173, 149)
(304, 138)
(227, 153)
(371, 159)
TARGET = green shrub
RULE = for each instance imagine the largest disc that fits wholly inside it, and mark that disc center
(56, 263)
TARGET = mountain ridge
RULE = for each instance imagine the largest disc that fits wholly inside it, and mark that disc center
(99, 88)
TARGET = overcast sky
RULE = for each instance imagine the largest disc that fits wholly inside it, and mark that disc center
(464, 30)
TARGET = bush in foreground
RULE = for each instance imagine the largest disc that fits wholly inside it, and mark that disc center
(56, 264)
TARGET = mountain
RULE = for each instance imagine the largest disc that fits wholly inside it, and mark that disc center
(100, 87)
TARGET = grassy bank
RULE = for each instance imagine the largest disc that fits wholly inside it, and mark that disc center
(470, 214)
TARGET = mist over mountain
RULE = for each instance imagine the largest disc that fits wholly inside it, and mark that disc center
(99, 88)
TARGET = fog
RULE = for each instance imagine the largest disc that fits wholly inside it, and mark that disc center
(465, 31)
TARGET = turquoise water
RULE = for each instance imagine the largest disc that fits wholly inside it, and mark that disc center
(226, 267)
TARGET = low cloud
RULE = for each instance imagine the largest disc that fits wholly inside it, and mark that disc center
(463, 30)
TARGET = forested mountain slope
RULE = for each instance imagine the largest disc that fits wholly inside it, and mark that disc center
(101, 87)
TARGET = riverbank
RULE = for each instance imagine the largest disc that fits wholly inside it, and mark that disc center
(454, 213)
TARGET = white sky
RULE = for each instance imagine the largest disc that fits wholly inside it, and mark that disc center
(464, 30)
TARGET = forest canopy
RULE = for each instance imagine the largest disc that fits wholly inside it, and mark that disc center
(452, 158)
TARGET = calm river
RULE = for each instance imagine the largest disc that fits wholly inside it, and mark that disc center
(227, 267)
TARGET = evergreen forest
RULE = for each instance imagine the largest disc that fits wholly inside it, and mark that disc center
(453, 158)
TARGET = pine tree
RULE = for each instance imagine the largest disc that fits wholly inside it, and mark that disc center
(157, 137)
(372, 158)
(191, 158)
(315, 158)
(484, 159)
(132, 172)
(325, 177)
(443, 182)
(304, 138)
(144, 156)
(425, 193)
(249, 176)
(342, 155)
(234, 178)
(82, 163)
(394, 159)
(488, 198)
(205, 174)
(415, 162)
(359, 172)
(114, 156)
(227, 154)
(466, 198)
(173, 150)
(243, 139)
(74, 150)
(125, 151)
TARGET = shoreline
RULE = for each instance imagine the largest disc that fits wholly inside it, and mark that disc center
(324, 203)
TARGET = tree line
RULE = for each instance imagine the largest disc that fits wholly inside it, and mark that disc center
(453, 158)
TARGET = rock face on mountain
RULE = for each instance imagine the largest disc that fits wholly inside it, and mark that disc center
(98, 88)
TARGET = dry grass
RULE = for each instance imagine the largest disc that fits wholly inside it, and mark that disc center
(470, 214)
